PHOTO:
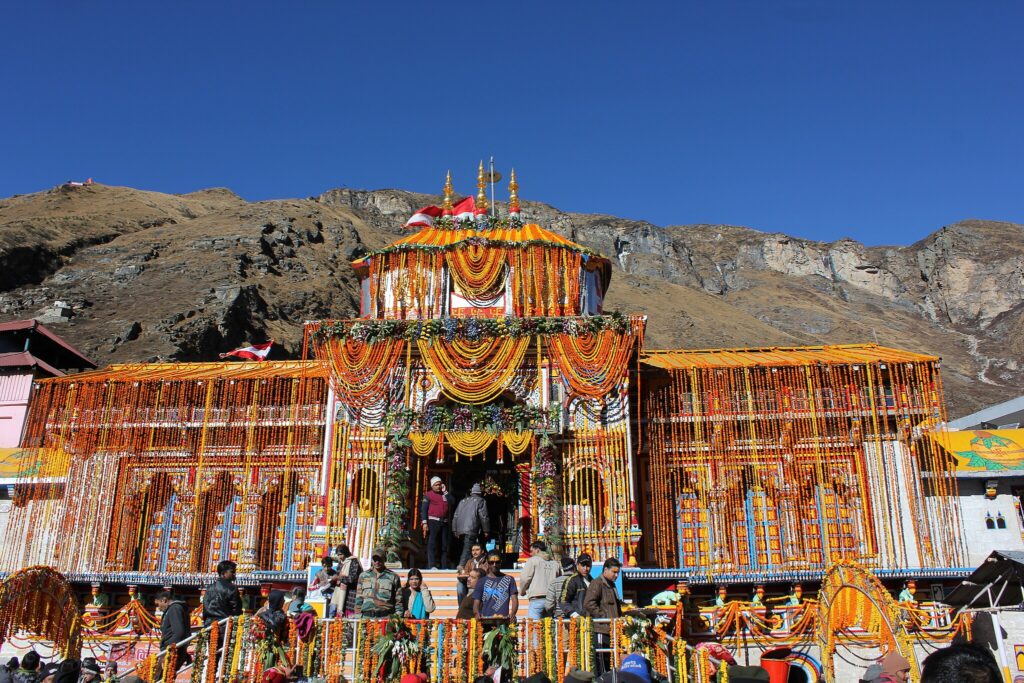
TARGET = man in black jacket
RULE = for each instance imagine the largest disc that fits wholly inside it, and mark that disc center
(174, 627)
(575, 588)
(221, 599)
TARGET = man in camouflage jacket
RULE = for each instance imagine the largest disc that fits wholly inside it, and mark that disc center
(378, 589)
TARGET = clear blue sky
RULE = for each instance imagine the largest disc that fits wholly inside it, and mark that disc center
(876, 120)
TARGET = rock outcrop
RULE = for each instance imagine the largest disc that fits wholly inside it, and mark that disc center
(145, 276)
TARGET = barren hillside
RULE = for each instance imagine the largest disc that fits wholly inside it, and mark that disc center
(154, 276)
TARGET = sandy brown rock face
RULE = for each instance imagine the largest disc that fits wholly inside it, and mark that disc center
(155, 276)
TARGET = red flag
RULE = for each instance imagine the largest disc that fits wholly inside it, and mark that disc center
(256, 352)
(464, 210)
(424, 217)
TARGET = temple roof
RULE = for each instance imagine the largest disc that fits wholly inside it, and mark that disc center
(443, 238)
(184, 371)
(778, 356)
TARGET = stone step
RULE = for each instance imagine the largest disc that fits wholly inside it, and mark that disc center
(441, 583)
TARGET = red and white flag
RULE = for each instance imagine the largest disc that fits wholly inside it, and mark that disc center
(255, 352)
(424, 217)
(464, 210)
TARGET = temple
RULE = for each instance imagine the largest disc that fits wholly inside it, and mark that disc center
(483, 354)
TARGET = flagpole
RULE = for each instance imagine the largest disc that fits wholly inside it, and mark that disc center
(493, 208)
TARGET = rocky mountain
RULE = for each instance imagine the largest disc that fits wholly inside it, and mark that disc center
(129, 275)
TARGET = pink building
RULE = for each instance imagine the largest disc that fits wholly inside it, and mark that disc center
(28, 350)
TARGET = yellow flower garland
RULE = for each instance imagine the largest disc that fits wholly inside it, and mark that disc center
(474, 372)
(469, 444)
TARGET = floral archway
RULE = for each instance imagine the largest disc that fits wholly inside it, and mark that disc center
(39, 601)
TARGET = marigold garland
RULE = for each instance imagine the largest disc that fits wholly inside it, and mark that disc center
(594, 364)
(474, 372)
(469, 444)
(477, 269)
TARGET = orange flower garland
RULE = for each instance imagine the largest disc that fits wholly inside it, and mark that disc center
(813, 429)
(474, 372)
(361, 371)
(477, 269)
(592, 364)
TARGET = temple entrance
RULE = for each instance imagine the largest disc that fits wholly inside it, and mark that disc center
(499, 480)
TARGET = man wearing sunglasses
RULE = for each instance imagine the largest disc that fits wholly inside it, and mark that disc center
(378, 589)
(495, 594)
(575, 588)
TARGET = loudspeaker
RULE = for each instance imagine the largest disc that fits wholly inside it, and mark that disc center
(747, 674)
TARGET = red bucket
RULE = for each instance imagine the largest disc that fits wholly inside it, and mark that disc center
(776, 664)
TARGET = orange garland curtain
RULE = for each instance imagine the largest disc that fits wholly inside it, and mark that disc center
(474, 372)
(407, 283)
(362, 371)
(476, 269)
(545, 281)
(171, 452)
(809, 449)
(592, 364)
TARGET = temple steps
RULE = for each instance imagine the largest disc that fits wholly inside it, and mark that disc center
(441, 583)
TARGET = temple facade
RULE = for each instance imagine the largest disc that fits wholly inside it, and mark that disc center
(483, 355)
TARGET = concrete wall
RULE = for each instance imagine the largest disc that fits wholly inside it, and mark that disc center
(974, 506)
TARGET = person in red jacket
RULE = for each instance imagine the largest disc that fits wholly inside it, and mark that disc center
(435, 511)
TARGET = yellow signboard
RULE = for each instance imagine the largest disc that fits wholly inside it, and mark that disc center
(991, 450)
(29, 463)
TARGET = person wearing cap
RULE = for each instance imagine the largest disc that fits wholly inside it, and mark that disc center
(575, 589)
(635, 668)
(495, 595)
(379, 589)
(552, 601)
(91, 672)
(435, 510)
(471, 522)
(895, 668)
(602, 602)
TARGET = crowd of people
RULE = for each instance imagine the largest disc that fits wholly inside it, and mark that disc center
(962, 663)
(551, 588)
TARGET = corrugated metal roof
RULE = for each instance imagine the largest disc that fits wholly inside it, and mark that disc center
(179, 371)
(778, 356)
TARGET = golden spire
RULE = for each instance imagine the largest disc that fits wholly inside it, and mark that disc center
(449, 192)
(481, 183)
(513, 193)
